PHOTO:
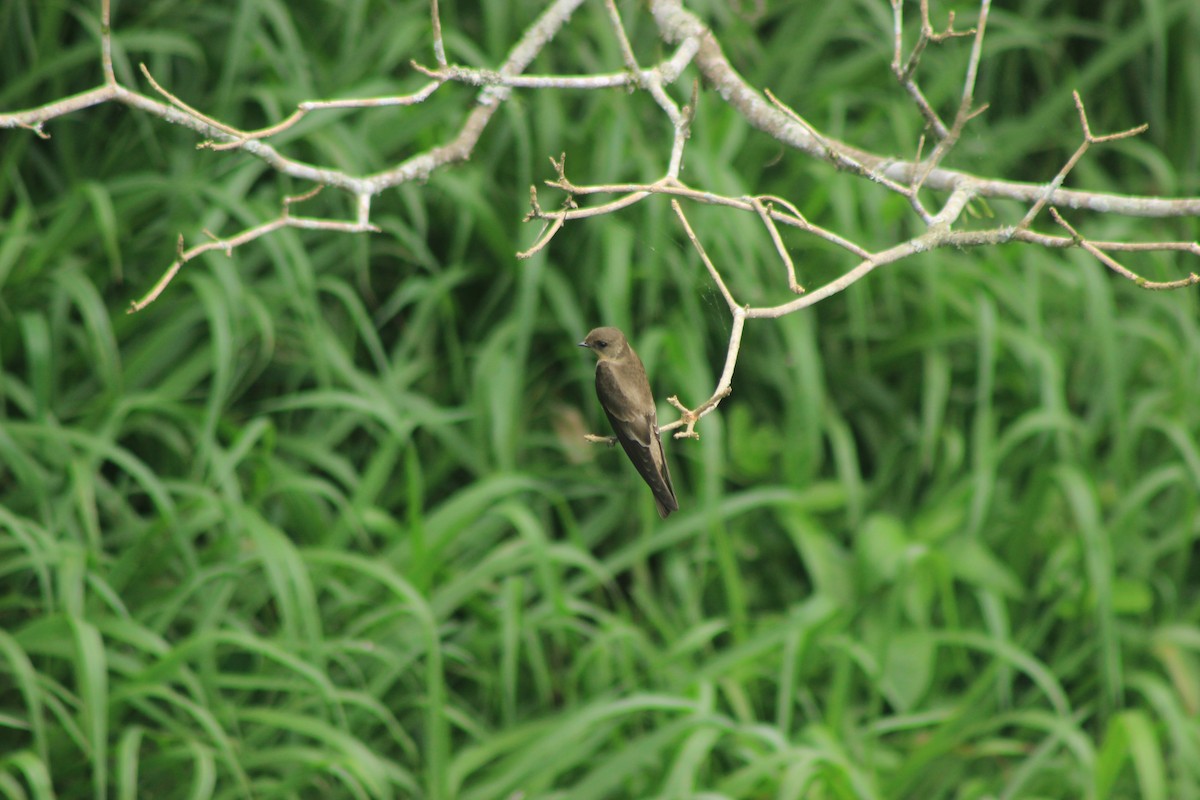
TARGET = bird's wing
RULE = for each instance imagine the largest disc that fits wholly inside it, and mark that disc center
(664, 492)
(624, 409)
(635, 422)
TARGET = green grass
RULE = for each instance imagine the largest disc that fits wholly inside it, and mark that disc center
(317, 524)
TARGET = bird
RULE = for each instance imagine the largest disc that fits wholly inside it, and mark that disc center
(625, 396)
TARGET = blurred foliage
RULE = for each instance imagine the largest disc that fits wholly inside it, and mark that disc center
(316, 523)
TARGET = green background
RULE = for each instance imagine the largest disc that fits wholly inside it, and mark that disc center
(318, 522)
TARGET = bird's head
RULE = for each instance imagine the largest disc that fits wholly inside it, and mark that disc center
(606, 343)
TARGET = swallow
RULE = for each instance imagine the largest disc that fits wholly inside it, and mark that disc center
(625, 397)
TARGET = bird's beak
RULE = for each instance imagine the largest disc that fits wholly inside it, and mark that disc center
(583, 344)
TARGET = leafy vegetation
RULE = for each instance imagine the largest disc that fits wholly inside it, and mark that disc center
(318, 523)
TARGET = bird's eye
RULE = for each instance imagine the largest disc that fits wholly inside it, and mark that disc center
(601, 344)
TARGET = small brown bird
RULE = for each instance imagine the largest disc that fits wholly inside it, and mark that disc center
(625, 396)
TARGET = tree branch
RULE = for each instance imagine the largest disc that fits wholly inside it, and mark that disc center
(693, 43)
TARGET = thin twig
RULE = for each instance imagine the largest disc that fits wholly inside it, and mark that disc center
(688, 417)
(765, 215)
(106, 59)
(1089, 139)
(1118, 267)
(284, 220)
(614, 16)
(439, 46)
(712, 270)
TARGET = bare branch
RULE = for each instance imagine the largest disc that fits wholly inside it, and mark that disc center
(712, 270)
(106, 62)
(689, 417)
(595, 439)
(614, 17)
(904, 71)
(838, 156)
(765, 215)
(439, 46)
(1116, 266)
(284, 220)
(1088, 140)
(966, 111)
(696, 44)
(676, 24)
(182, 106)
(225, 136)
